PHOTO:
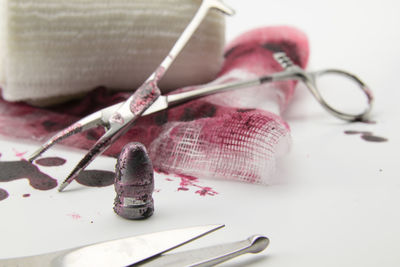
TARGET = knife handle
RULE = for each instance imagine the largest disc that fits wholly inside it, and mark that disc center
(210, 256)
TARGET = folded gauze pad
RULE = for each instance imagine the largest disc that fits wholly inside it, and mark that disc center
(52, 50)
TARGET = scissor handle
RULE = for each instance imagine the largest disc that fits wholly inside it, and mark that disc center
(310, 80)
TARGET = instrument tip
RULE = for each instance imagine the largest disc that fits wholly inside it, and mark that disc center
(63, 186)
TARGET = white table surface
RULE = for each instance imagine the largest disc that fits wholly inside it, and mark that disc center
(338, 204)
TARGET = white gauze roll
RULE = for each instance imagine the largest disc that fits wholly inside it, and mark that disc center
(51, 49)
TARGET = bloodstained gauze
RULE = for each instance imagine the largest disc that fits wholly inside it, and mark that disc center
(134, 183)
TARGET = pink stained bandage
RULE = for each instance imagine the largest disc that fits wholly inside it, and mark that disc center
(236, 135)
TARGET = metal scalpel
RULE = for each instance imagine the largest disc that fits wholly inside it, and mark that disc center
(146, 250)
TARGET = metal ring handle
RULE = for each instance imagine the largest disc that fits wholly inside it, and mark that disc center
(310, 80)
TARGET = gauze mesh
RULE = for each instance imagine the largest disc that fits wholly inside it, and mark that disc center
(239, 136)
(237, 146)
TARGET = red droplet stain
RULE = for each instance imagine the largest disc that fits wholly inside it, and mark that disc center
(3, 194)
(204, 191)
(75, 216)
(19, 154)
(183, 189)
(190, 181)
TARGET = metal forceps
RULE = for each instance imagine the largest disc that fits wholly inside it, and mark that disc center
(119, 118)
(294, 72)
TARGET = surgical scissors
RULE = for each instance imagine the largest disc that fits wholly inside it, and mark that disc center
(117, 119)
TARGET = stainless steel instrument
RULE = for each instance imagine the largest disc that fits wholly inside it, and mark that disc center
(146, 250)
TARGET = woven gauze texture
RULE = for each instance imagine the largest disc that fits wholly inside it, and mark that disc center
(55, 49)
(235, 135)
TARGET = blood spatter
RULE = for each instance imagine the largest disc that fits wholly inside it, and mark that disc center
(189, 181)
(204, 191)
(144, 97)
(373, 138)
(14, 170)
(19, 154)
(96, 178)
(3, 194)
(367, 136)
(75, 216)
(352, 132)
(51, 161)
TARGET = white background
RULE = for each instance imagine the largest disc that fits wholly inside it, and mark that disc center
(338, 204)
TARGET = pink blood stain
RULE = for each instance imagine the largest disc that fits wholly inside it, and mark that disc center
(188, 181)
(19, 154)
(144, 97)
(206, 191)
(75, 216)
(146, 94)
(221, 128)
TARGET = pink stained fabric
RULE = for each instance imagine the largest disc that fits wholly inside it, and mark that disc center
(235, 135)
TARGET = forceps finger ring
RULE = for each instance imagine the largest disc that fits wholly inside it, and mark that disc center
(312, 85)
(292, 71)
